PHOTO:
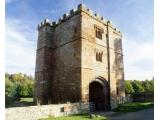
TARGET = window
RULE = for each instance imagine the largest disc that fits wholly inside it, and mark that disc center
(98, 32)
(99, 56)
(75, 30)
(117, 91)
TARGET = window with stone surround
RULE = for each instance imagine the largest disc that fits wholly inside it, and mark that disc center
(117, 91)
(75, 29)
(98, 32)
(99, 56)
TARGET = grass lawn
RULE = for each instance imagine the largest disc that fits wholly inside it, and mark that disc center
(134, 106)
(26, 100)
(23, 102)
(76, 117)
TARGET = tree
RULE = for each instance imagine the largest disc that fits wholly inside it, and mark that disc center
(128, 87)
(152, 85)
(30, 88)
(19, 85)
(137, 86)
(9, 87)
(16, 92)
(147, 86)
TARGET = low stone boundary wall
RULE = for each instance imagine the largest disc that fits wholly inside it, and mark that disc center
(143, 97)
(43, 111)
(140, 97)
(128, 98)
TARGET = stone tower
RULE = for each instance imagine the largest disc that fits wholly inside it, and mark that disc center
(79, 58)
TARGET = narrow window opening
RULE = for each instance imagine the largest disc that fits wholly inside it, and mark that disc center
(99, 56)
(75, 30)
(98, 32)
(117, 91)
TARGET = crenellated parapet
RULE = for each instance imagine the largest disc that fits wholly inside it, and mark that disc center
(45, 22)
(96, 16)
(116, 31)
(80, 8)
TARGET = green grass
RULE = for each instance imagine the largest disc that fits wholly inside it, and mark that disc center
(26, 100)
(76, 117)
(134, 106)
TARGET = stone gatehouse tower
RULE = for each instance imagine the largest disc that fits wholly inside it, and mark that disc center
(79, 58)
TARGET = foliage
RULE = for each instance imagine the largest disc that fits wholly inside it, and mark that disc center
(134, 106)
(137, 86)
(19, 85)
(9, 101)
(152, 85)
(147, 86)
(128, 87)
(9, 87)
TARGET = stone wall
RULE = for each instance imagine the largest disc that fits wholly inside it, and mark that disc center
(91, 68)
(143, 97)
(37, 112)
(128, 98)
(44, 65)
(66, 84)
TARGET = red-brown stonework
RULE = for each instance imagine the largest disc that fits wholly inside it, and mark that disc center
(67, 69)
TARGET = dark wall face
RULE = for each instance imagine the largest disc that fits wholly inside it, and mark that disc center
(66, 85)
(44, 65)
(58, 62)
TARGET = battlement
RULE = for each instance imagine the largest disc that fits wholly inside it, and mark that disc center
(45, 22)
(80, 7)
(117, 31)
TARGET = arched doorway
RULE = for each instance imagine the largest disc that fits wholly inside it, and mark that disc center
(97, 95)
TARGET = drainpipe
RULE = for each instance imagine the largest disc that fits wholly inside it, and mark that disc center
(108, 58)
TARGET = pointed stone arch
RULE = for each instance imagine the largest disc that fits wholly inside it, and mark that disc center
(99, 93)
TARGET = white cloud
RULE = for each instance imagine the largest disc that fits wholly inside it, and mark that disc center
(138, 59)
(20, 48)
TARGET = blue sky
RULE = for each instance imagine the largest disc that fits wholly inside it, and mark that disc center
(134, 18)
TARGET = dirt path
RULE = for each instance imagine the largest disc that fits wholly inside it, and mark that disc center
(147, 114)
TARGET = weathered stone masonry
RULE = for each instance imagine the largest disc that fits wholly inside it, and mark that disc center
(79, 58)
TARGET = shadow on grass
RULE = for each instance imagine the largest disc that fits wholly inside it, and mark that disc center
(10, 102)
(133, 107)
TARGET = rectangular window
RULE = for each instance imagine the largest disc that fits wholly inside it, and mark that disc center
(75, 30)
(117, 91)
(99, 56)
(98, 32)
